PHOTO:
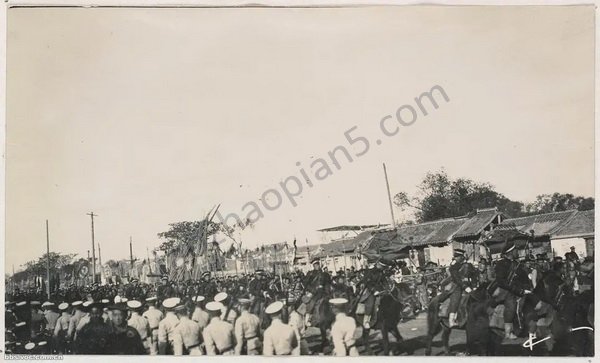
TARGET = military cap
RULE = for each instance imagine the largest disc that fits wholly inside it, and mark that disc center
(35, 303)
(206, 274)
(171, 302)
(21, 303)
(198, 299)
(459, 252)
(315, 260)
(221, 296)
(105, 301)
(77, 303)
(47, 304)
(42, 343)
(244, 301)
(118, 306)
(29, 346)
(151, 299)
(134, 304)
(274, 308)
(165, 278)
(87, 303)
(338, 301)
(214, 306)
(134, 280)
(63, 306)
(20, 324)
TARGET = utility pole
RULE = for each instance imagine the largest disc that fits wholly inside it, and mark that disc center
(48, 260)
(100, 263)
(92, 215)
(130, 251)
(387, 184)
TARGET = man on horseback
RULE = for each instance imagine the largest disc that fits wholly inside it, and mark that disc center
(318, 283)
(510, 285)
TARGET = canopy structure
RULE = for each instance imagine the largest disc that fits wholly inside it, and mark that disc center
(385, 245)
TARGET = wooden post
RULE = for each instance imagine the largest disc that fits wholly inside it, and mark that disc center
(387, 184)
(92, 215)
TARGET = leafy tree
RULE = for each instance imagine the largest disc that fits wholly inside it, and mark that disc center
(557, 202)
(440, 196)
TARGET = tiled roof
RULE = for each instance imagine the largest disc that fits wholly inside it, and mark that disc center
(476, 224)
(542, 224)
(581, 224)
(350, 228)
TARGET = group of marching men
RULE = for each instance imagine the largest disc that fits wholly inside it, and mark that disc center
(201, 320)
(171, 327)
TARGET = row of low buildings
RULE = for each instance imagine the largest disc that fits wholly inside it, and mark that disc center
(482, 233)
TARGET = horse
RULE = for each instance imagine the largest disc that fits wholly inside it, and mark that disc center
(566, 319)
(475, 313)
(386, 315)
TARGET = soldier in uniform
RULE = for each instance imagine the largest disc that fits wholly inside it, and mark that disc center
(219, 338)
(187, 334)
(279, 338)
(296, 321)
(508, 290)
(140, 324)
(167, 326)
(199, 315)
(459, 281)
(61, 328)
(229, 312)
(125, 339)
(154, 316)
(50, 316)
(85, 307)
(318, 282)
(74, 321)
(247, 330)
(342, 330)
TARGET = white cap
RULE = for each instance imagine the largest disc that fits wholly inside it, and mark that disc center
(77, 303)
(117, 299)
(42, 343)
(105, 301)
(21, 303)
(87, 303)
(150, 299)
(214, 306)
(338, 301)
(47, 303)
(20, 324)
(171, 302)
(134, 304)
(274, 308)
(198, 298)
(29, 346)
(220, 296)
(63, 306)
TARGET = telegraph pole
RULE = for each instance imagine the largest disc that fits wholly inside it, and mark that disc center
(92, 215)
(130, 251)
(48, 260)
(387, 184)
(100, 263)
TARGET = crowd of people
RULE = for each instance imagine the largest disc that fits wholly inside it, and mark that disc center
(262, 312)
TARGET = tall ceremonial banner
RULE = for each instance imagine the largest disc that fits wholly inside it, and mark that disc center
(184, 259)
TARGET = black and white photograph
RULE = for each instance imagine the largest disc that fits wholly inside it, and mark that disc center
(302, 180)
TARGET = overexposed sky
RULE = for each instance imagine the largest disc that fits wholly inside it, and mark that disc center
(152, 116)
